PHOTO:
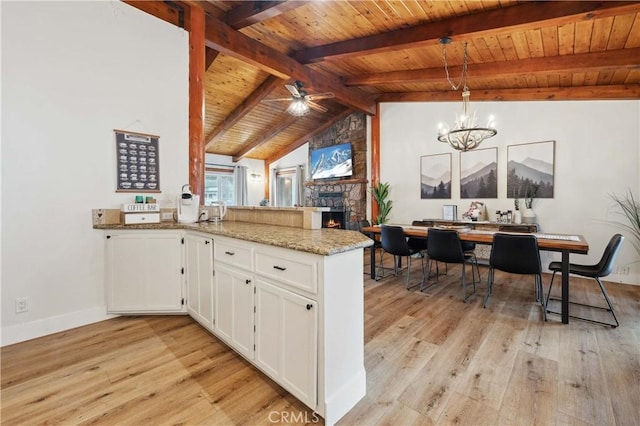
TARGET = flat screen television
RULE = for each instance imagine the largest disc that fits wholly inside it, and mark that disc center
(331, 162)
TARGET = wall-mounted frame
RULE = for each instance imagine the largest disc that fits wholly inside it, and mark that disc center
(138, 162)
(435, 176)
(479, 173)
(531, 165)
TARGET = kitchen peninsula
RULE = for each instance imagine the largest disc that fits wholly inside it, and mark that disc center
(288, 299)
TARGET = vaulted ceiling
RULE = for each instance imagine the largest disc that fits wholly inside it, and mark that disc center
(389, 51)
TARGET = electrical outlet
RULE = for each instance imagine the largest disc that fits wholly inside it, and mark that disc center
(624, 270)
(166, 216)
(21, 304)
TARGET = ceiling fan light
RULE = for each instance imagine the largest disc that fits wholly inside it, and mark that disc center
(298, 108)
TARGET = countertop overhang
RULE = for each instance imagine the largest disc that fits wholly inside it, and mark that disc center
(323, 241)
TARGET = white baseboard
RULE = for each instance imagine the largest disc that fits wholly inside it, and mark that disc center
(43, 327)
(343, 400)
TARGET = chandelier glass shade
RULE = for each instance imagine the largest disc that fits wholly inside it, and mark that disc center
(465, 134)
(298, 107)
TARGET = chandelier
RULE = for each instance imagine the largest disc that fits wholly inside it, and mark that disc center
(298, 107)
(465, 135)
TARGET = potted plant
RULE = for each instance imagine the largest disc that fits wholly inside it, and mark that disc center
(517, 214)
(528, 215)
(630, 210)
(380, 193)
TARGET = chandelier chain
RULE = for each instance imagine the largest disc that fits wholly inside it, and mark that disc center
(463, 77)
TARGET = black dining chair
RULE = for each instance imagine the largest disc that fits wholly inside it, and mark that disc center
(444, 245)
(394, 242)
(364, 223)
(597, 271)
(516, 254)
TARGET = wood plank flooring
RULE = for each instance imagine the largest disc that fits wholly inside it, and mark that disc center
(430, 358)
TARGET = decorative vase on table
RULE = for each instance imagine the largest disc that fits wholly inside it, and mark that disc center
(517, 217)
(528, 216)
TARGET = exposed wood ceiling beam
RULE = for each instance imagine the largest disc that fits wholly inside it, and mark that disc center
(265, 137)
(253, 12)
(159, 9)
(303, 139)
(210, 56)
(610, 60)
(528, 15)
(245, 106)
(225, 39)
(622, 91)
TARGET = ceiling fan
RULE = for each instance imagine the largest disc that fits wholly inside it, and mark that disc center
(301, 101)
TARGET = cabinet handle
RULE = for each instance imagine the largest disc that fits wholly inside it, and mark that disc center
(108, 236)
(247, 281)
(207, 242)
(279, 268)
(309, 306)
(230, 253)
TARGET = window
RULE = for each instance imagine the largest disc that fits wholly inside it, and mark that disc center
(219, 185)
(286, 187)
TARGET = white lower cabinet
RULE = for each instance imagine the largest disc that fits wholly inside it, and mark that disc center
(287, 339)
(199, 278)
(144, 272)
(234, 308)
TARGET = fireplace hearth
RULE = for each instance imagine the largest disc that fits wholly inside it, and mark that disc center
(336, 219)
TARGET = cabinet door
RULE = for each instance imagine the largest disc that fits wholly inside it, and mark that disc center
(199, 278)
(234, 308)
(286, 339)
(144, 273)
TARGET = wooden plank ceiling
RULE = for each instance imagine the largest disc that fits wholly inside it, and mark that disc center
(380, 51)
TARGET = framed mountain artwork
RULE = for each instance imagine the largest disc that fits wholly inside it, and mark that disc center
(435, 176)
(479, 173)
(530, 170)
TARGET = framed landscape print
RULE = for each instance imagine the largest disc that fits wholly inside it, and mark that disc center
(530, 167)
(435, 176)
(479, 173)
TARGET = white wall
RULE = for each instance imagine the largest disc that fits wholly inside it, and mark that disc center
(597, 152)
(71, 73)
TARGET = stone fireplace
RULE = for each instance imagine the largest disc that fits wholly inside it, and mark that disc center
(346, 197)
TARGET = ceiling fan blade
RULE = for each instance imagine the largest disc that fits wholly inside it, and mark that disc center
(316, 96)
(293, 89)
(276, 100)
(316, 106)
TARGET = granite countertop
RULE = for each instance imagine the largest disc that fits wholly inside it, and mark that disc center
(324, 241)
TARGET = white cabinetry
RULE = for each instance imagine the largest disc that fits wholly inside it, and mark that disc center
(199, 278)
(234, 291)
(287, 339)
(144, 272)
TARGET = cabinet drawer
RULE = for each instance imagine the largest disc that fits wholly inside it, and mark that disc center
(238, 255)
(296, 271)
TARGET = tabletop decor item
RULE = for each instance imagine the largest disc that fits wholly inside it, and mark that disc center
(530, 193)
(517, 214)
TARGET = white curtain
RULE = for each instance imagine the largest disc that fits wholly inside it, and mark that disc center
(240, 178)
(272, 192)
(300, 184)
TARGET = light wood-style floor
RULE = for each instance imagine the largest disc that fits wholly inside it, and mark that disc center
(430, 359)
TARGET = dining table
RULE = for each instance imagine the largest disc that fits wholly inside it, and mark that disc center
(547, 241)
